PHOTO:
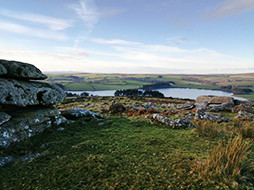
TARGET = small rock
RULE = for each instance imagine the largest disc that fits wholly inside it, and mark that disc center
(116, 107)
(78, 113)
(186, 106)
(4, 117)
(6, 160)
(60, 129)
(30, 157)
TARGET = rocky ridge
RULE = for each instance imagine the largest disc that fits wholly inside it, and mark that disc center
(26, 105)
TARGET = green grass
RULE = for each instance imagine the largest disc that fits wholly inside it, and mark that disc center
(120, 154)
(249, 96)
(79, 86)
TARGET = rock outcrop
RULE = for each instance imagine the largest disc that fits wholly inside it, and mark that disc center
(23, 93)
(181, 123)
(214, 99)
(15, 69)
(26, 106)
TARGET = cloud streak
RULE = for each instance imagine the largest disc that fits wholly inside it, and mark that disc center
(50, 22)
(20, 29)
(230, 7)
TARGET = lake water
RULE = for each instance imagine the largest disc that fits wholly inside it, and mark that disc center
(188, 93)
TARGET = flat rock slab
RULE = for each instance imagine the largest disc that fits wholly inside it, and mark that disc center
(27, 122)
(19, 70)
(78, 113)
(23, 93)
(214, 99)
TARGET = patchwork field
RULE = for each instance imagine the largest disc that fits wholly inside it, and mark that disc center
(239, 84)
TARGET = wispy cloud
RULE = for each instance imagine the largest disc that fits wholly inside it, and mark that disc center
(64, 62)
(177, 40)
(230, 7)
(87, 11)
(50, 22)
(107, 12)
(114, 41)
(80, 53)
(20, 29)
(168, 56)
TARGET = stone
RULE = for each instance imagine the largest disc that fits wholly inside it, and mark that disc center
(6, 160)
(116, 107)
(181, 123)
(19, 70)
(3, 70)
(4, 117)
(78, 113)
(30, 157)
(27, 122)
(186, 106)
(248, 115)
(201, 114)
(224, 120)
(202, 105)
(214, 99)
(215, 107)
(149, 105)
(24, 93)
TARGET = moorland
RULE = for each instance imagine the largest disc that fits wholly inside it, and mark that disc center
(130, 150)
(239, 84)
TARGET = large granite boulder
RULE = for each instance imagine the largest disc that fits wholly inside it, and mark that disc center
(15, 69)
(214, 99)
(27, 122)
(26, 106)
(23, 93)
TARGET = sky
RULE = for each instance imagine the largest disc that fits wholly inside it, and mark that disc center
(130, 36)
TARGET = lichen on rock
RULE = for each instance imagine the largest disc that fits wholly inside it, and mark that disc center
(15, 69)
(24, 93)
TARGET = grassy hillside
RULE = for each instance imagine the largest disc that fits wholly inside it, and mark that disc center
(122, 152)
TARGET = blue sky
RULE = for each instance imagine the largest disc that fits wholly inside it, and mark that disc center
(130, 36)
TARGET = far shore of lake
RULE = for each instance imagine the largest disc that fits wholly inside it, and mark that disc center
(183, 93)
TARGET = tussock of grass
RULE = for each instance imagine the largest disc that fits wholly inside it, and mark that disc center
(211, 129)
(225, 163)
(215, 130)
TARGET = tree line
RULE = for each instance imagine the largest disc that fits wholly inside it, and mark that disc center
(138, 93)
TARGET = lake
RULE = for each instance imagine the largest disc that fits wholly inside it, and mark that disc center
(188, 93)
